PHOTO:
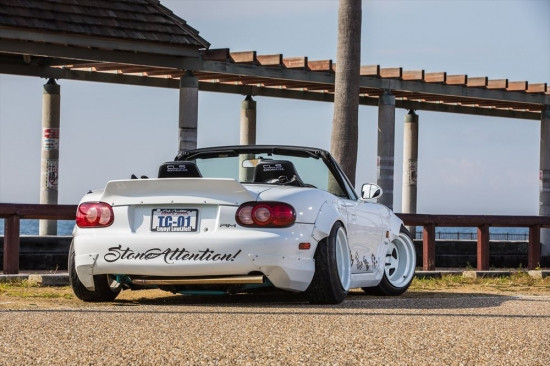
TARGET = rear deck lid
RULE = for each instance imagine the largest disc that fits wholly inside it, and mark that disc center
(176, 190)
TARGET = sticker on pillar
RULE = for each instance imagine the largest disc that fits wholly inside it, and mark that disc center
(52, 173)
(378, 167)
(544, 180)
(51, 138)
(412, 172)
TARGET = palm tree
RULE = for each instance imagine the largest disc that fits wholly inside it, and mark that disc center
(346, 87)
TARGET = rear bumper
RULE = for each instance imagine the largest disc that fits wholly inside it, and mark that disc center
(239, 252)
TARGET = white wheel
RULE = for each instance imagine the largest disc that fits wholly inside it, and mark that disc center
(343, 258)
(399, 267)
(106, 288)
(400, 261)
(332, 278)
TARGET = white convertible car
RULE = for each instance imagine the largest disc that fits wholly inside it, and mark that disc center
(233, 219)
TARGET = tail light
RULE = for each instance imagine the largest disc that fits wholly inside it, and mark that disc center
(94, 214)
(265, 214)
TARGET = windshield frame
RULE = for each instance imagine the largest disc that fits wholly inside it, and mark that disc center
(298, 151)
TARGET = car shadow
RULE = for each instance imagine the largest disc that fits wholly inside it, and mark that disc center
(281, 300)
(277, 302)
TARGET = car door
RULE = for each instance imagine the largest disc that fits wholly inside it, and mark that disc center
(365, 234)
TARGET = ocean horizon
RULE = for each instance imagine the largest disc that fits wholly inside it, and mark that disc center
(65, 227)
(30, 227)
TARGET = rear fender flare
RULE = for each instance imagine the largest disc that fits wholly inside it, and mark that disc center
(395, 226)
(329, 213)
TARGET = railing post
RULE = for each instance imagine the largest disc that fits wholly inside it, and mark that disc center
(11, 245)
(533, 249)
(483, 247)
(428, 247)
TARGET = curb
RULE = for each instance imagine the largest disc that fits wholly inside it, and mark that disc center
(45, 279)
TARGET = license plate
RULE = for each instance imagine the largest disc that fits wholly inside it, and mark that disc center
(174, 220)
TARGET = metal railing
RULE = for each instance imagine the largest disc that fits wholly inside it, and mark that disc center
(13, 213)
(441, 235)
(482, 223)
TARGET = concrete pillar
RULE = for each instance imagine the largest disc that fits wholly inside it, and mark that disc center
(386, 141)
(189, 111)
(410, 164)
(247, 135)
(248, 121)
(49, 166)
(544, 194)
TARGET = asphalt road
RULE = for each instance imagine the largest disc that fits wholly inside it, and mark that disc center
(274, 329)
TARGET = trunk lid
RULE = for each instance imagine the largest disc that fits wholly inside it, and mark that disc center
(201, 191)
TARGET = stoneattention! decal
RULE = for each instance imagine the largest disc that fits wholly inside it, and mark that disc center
(170, 256)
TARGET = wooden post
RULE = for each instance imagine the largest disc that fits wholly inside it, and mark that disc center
(533, 250)
(428, 247)
(483, 247)
(11, 245)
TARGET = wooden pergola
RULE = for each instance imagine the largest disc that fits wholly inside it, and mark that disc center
(247, 73)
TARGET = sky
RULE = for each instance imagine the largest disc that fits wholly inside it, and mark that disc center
(467, 164)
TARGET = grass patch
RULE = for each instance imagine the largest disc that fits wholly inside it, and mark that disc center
(24, 289)
(26, 294)
(518, 282)
(16, 283)
(22, 294)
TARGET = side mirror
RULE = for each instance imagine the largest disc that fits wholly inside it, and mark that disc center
(371, 191)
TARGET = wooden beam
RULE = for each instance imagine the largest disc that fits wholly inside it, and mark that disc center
(428, 247)
(477, 82)
(483, 247)
(497, 84)
(499, 102)
(517, 86)
(246, 57)
(413, 75)
(270, 60)
(324, 87)
(475, 220)
(370, 70)
(456, 79)
(295, 62)
(11, 244)
(219, 54)
(537, 88)
(75, 54)
(142, 70)
(95, 65)
(321, 65)
(533, 252)
(435, 77)
(392, 72)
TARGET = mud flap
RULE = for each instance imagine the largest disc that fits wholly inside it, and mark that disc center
(288, 272)
(84, 265)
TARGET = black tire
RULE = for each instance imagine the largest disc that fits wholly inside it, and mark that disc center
(104, 290)
(331, 281)
(399, 272)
